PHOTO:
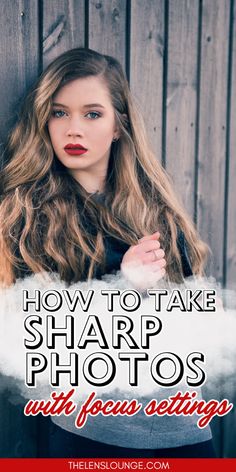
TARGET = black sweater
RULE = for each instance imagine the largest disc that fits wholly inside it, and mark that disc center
(114, 252)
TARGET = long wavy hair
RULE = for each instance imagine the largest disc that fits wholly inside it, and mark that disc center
(43, 210)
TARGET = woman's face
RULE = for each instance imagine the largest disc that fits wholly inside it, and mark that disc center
(81, 127)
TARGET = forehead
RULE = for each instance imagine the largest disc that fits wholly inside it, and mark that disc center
(85, 90)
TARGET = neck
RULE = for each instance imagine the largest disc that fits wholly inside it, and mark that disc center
(91, 183)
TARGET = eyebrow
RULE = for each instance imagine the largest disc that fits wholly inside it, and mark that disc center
(89, 105)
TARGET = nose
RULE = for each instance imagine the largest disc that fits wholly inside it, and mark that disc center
(75, 127)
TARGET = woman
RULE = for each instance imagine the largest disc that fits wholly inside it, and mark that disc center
(82, 195)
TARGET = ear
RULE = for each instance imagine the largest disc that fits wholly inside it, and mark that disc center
(125, 120)
(117, 129)
(116, 135)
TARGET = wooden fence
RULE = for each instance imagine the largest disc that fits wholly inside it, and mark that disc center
(180, 59)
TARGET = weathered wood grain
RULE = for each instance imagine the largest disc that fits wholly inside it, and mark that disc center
(147, 37)
(212, 128)
(107, 28)
(157, 41)
(63, 27)
(19, 56)
(182, 97)
(231, 194)
(19, 59)
(229, 443)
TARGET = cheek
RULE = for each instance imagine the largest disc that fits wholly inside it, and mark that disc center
(104, 134)
(51, 131)
(54, 132)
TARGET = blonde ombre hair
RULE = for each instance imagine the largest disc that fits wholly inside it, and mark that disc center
(43, 210)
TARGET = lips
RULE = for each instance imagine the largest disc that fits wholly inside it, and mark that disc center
(75, 149)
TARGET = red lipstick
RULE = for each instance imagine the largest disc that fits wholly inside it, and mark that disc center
(75, 149)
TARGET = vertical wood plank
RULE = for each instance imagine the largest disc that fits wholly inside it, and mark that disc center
(19, 56)
(182, 97)
(147, 37)
(231, 220)
(63, 27)
(229, 444)
(19, 59)
(107, 28)
(212, 128)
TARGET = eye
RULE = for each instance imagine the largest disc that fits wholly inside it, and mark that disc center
(93, 115)
(58, 113)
